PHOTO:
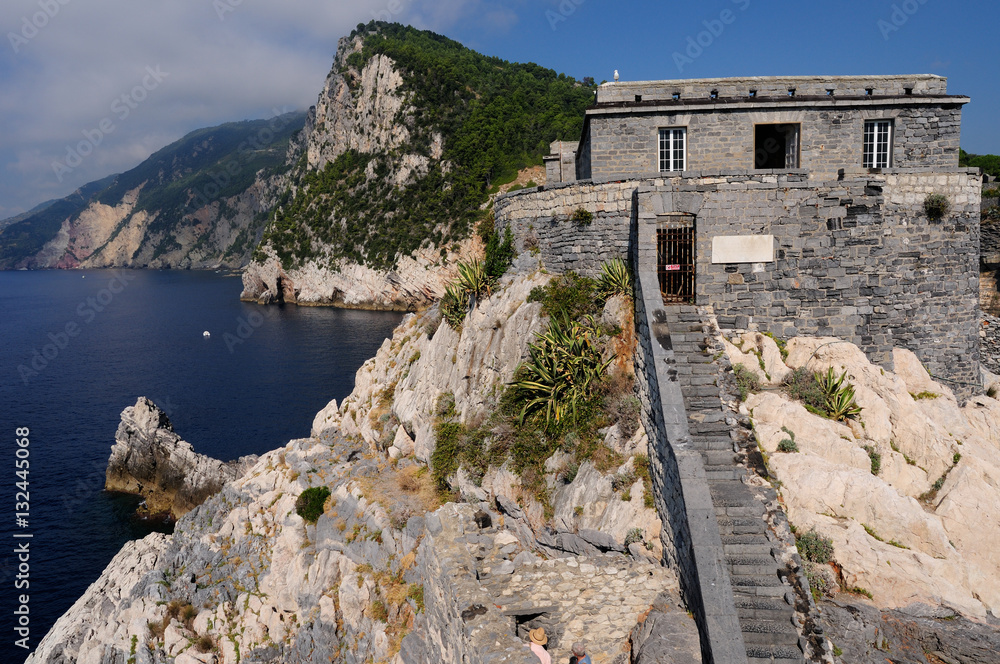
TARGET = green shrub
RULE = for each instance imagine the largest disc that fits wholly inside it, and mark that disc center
(788, 444)
(936, 206)
(582, 217)
(564, 368)
(416, 593)
(309, 504)
(635, 535)
(615, 279)
(802, 385)
(814, 547)
(746, 381)
(876, 459)
(567, 296)
(499, 254)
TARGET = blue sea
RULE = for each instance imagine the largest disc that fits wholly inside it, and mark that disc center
(77, 347)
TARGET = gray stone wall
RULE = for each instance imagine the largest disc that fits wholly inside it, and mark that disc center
(460, 622)
(690, 536)
(855, 258)
(831, 137)
(773, 86)
(542, 219)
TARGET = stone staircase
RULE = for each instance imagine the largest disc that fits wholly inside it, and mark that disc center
(764, 601)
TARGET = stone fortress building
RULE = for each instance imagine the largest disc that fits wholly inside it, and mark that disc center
(794, 203)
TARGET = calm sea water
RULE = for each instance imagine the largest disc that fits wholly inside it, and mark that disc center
(77, 347)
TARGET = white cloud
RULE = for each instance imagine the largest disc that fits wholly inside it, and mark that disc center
(65, 77)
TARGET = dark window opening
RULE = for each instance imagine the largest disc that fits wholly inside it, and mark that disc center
(753, 93)
(869, 91)
(829, 92)
(791, 92)
(714, 94)
(638, 98)
(908, 91)
(776, 146)
(677, 96)
(675, 257)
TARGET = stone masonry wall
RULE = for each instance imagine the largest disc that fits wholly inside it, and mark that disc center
(831, 137)
(690, 536)
(460, 622)
(855, 258)
(541, 218)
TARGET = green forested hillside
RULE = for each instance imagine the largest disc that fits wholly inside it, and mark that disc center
(204, 166)
(495, 117)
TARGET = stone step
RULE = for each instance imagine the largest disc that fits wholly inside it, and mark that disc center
(757, 581)
(740, 526)
(722, 472)
(751, 559)
(719, 457)
(744, 511)
(784, 654)
(779, 615)
(702, 403)
(764, 570)
(745, 549)
(709, 416)
(712, 443)
(769, 632)
(774, 592)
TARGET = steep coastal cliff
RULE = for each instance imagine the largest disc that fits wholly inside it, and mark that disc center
(378, 569)
(200, 202)
(397, 167)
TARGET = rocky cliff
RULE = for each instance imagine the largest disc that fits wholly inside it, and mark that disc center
(150, 460)
(397, 167)
(905, 492)
(380, 570)
(200, 202)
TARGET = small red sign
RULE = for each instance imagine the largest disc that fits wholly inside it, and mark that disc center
(673, 268)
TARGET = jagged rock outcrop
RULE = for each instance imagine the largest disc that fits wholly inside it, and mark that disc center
(907, 492)
(385, 573)
(149, 459)
(417, 281)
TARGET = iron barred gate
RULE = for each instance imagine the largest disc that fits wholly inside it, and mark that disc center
(675, 257)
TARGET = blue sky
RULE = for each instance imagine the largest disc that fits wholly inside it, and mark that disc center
(196, 63)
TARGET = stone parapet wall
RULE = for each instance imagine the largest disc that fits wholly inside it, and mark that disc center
(772, 86)
(541, 218)
(691, 541)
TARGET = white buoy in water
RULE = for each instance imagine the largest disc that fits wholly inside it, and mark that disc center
(206, 334)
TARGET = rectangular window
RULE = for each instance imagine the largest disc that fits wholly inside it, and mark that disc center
(776, 146)
(673, 143)
(878, 144)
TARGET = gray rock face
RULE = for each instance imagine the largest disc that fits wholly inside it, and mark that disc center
(150, 460)
(666, 637)
(867, 635)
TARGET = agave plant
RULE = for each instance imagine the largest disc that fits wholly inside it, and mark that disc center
(473, 278)
(616, 278)
(563, 370)
(838, 395)
(454, 305)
